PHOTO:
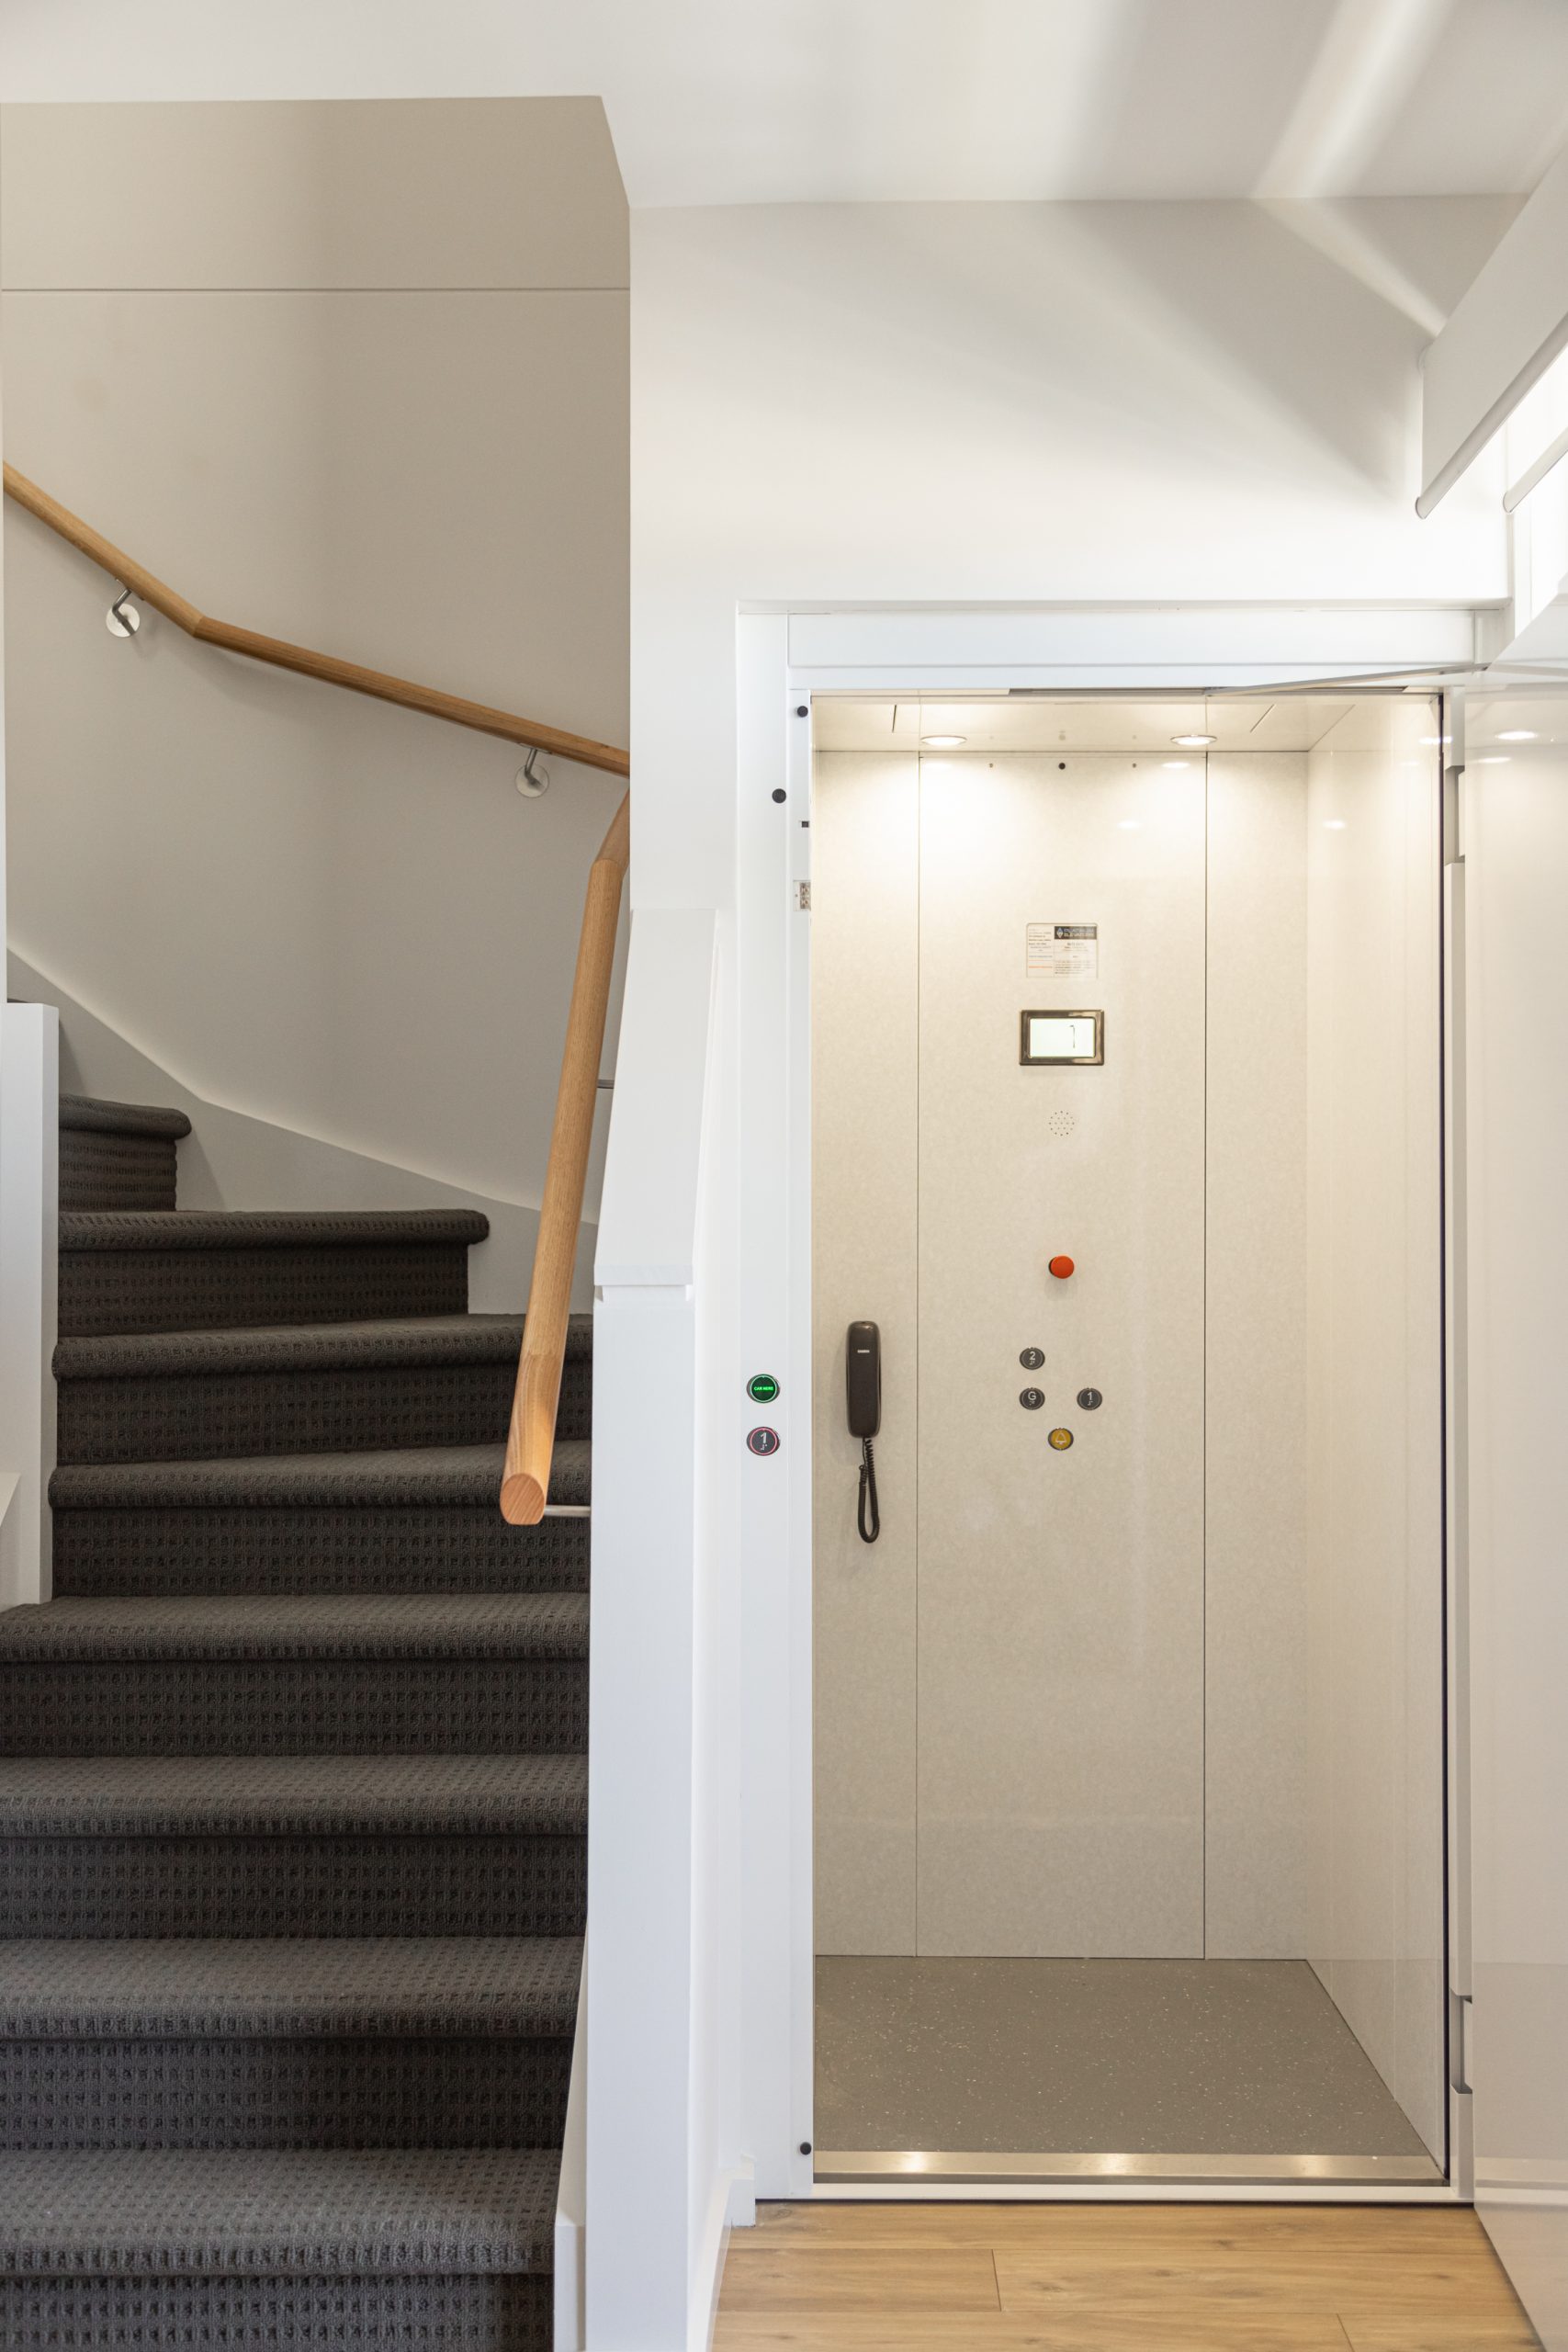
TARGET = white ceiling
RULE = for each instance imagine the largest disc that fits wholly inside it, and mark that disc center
(716, 102)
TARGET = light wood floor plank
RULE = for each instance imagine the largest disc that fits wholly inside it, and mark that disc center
(1009, 2278)
(1002, 2332)
(912, 2277)
(1512, 2333)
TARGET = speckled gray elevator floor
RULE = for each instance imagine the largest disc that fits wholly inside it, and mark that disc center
(1190, 2057)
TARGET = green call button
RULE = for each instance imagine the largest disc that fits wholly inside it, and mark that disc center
(761, 1388)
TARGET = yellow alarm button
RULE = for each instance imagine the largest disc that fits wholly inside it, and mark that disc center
(1061, 1440)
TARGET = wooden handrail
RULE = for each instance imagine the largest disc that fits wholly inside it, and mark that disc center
(530, 1444)
(283, 656)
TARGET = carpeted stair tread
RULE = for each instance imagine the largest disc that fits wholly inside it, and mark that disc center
(373, 1988)
(292, 2212)
(411, 1342)
(90, 1115)
(415, 1626)
(120, 1229)
(419, 1476)
(273, 1796)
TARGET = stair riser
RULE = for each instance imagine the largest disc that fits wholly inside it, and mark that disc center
(228, 1415)
(293, 1886)
(107, 1555)
(110, 1172)
(246, 2092)
(258, 1886)
(349, 2314)
(103, 1291)
(309, 1707)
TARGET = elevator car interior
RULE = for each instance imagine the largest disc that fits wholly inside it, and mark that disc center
(1129, 1648)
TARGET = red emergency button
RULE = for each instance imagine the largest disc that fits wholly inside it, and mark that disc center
(1061, 1268)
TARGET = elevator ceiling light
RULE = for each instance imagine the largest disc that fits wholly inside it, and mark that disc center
(1194, 743)
(1127, 824)
(1334, 824)
(1176, 763)
(1516, 735)
(943, 742)
(1494, 759)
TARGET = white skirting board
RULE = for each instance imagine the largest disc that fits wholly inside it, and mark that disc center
(571, 2198)
(29, 1198)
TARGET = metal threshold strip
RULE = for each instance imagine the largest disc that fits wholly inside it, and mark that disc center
(568, 1511)
(943, 2164)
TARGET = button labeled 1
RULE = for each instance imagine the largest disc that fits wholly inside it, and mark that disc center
(764, 1441)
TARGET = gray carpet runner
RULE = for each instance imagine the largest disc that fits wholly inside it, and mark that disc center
(293, 1791)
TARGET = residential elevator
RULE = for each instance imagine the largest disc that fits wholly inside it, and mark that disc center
(1127, 1136)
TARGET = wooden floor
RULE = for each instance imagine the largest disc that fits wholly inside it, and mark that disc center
(832, 2278)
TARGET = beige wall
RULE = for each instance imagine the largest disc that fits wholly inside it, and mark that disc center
(1044, 1723)
(1255, 1465)
(354, 375)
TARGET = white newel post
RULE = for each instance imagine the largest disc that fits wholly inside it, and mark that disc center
(30, 1231)
(656, 2203)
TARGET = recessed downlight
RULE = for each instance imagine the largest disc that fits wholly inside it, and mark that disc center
(1193, 742)
(943, 742)
(1516, 735)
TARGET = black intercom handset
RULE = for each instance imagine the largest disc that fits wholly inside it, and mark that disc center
(862, 1399)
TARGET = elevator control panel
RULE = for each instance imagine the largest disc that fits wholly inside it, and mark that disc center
(1053, 1040)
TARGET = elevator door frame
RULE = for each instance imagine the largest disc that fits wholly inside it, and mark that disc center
(785, 661)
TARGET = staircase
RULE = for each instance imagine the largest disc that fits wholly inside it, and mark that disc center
(292, 1791)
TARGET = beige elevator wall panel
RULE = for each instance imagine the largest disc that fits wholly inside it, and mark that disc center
(865, 1015)
(1061, 1594)
(1256, 1271)
(1374, 1393)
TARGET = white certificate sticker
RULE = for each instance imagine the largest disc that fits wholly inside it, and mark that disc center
(1061, 951)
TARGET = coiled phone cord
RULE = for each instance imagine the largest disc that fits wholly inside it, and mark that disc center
(868, 1496)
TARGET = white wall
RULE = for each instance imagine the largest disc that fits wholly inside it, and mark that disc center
(354, 376)
(1374, 1392)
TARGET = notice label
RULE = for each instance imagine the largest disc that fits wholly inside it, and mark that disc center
(1061, 951)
